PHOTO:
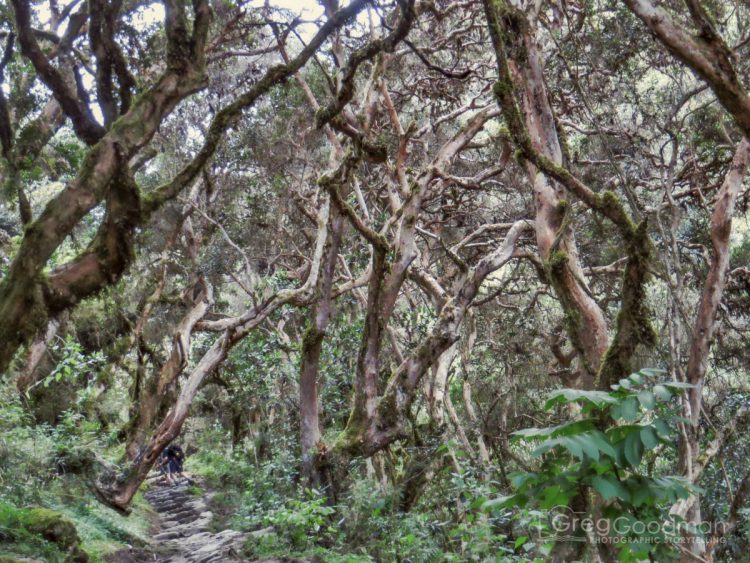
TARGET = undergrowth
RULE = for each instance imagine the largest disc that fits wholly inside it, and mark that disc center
(33, 473)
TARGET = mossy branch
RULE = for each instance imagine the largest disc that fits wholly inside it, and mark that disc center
(346, 90)
(633, 325)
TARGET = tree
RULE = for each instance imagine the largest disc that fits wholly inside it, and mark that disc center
(433, 214)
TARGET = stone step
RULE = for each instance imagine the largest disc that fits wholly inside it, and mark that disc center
(185, 510)
(184, 535)
(170, 498)
(167, 506)
(212, 558)
(168, 535)
(180, 518)
(175, 514)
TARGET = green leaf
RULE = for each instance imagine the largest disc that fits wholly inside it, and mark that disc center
(601, 441)
(662, 428)
(564, 396)
(575, 427)
(520, 541)
(649, 438)
(646, 398)
(478, 503)
(626, 409)
(553, 496)
(609, 487)
(633, 449)
(678, 385)
(641, 495)
(574, 447)
(662, 392)
(500, 502)
(636, 378)
(588, 445)
(652, 372)
(520, 479)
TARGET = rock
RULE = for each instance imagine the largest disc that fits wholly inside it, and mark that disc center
(185, 529)
(55, 528)
(168, 535)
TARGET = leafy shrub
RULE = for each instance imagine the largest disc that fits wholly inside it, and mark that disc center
(603, 450)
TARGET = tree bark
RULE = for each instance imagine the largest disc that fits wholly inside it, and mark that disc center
(153, 398)
(24, 308)
(311, 349)
(703, 331)
(377, 422)
(520, 58)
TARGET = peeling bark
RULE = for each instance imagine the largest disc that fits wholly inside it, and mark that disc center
(379, 421)
(152, 399)
(117, 490)
(707, 54)
(533, 127)
(713, 287)
(311, 349)
(691, 460)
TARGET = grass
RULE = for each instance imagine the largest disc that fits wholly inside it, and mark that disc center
(104, 531)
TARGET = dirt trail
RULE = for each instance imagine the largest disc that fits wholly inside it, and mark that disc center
(183, 534)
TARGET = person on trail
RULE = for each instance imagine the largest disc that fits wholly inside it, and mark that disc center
(171, 463)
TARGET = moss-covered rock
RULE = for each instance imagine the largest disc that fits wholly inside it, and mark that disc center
(49, 524)
(55, 528)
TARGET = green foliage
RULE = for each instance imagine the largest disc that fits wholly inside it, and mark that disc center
(36, 461)
(264, 496)
(73, 362)
(20, 535)
(740, 251)
(603, 451)
(297, 525)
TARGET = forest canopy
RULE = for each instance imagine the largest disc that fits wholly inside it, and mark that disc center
(406, 280)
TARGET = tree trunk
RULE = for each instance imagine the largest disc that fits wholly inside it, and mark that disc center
(153, 397)
(705, 324)
(311, 348)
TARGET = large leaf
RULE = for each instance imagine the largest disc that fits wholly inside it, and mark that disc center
(566, 429)
(633, 449)
(652, 372)
(649, 438)
(662, 428)
(662, 392)
(603, 443)
(617, 434)
(642, 495)
(678, 385)
(587, 443)
(646, 398)
(626, 409)
(564, 396)
(609, 487)
(575, 448)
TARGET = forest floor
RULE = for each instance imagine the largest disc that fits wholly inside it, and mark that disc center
(183, 531)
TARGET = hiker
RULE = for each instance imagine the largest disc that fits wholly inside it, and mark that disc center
(171, 463)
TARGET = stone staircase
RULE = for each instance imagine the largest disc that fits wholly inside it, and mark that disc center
(184, 535)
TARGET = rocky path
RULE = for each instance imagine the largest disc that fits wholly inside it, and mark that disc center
(184, 532)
